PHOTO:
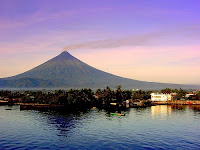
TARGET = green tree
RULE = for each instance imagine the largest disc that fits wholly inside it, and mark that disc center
(167, 91)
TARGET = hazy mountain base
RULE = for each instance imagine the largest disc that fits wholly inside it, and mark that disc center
(65, 71)
(46, 84)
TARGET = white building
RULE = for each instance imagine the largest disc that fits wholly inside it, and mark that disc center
(160, 97)
(188, 95)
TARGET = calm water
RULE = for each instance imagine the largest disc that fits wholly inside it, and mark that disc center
(156, 127)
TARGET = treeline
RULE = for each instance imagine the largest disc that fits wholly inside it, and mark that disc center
(181, 93)
(85, 96)
(74, 96)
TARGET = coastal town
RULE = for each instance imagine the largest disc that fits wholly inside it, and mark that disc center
(86, 98)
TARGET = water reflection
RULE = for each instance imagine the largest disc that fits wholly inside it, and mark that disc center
(161, 110)
(94, 129)
(194, 107)
(167, 110)
(62, 121)
(179, 107)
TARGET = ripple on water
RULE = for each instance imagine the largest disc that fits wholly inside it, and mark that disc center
(140, 129)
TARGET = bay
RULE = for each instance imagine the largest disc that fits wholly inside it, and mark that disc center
(155, 127)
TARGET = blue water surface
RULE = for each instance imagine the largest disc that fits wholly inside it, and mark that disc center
(156, 127)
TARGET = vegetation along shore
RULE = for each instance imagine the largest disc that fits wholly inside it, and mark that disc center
(74, 99)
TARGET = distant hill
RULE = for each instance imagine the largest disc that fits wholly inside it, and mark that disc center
(66, 71)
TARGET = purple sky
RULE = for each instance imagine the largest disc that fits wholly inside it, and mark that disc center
(149, 40)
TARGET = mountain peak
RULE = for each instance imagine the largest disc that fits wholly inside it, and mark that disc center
(64, 56)
(66, 71)
(66, 53)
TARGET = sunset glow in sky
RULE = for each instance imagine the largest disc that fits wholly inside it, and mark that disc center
(149, 40)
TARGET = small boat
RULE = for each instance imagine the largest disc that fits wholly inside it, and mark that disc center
(113, 104)
(117, 114)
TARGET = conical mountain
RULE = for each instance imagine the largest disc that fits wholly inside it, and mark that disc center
(66, 71)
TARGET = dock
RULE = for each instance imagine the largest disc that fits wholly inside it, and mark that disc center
(2, 102)
(177, 102)
(183, 102)
(40, 106)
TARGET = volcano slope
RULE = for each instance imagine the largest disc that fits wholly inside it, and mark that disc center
(66, 71)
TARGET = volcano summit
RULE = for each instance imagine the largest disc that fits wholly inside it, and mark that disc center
(66, 71)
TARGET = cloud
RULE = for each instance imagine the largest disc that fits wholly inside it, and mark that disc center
(114, 42)
(135, 40)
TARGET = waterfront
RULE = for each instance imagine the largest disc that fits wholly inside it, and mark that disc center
(155, 127)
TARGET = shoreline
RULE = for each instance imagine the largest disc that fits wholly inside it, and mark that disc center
(27, 106)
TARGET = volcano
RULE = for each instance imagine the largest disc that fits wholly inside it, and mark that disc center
(66, 71)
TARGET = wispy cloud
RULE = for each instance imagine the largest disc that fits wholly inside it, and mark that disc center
(110, 43)
(135, 40)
